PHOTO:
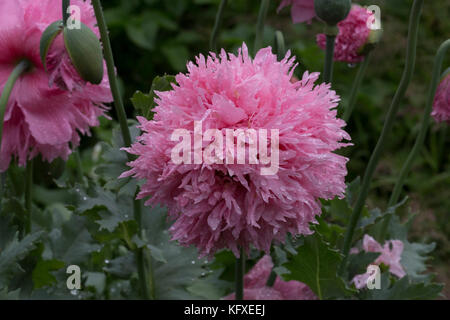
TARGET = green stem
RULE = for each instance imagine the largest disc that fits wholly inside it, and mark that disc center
(217, 23)
(260, 25)
(142, 258)
(422, 133)
(28, 195)
(375, 157)
(121, 115)
(120, 110)
(280, 47)
(65, 14)
(240, 270)
(329, 59)
(79, 165)
(20, 68)
(355, 88)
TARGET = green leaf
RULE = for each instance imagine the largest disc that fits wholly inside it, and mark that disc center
(316, 265)
(13, 253)
(85, 52)
(358, 263)
(96, 280)
(47, 38)
(182, 269)
(72, 243)
(403, 289)
(42, 272)
(144, 103)
(9, 295)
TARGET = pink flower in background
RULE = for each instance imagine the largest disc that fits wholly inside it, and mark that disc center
(353, 35)
(42, 119)
(217, 206)
(255, 287)
(301, 11)
(391, 254)
(441, 104)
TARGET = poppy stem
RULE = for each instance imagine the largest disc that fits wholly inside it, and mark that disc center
(260, 25)
(329, 61)
(437, 68)
(217, 24)
(355, 88)
(144, 272)
(375, 157)
(65, 9)
(28, 195)
(240, 270)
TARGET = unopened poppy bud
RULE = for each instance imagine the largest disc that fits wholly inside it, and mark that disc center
(83, 48)
(85, 53)
(332, 11)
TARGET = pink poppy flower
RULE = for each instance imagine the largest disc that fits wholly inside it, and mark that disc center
(301, 11)
(353, 35)
(391, 254)
(228, 205)
(441, 104)
(42, 119)
(255, 287)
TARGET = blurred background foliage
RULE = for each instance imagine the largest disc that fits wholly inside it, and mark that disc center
(157, 37)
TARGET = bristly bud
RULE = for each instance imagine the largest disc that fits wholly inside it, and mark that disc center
(332, 11)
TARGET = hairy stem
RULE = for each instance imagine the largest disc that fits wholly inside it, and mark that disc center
(375, 157)
(217, 23)
(260, 25)
(439, 59)
(121, 115)
(355, 88)
(120, 109)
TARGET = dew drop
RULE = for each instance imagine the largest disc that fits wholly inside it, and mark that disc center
(74, 292)
(107, 261)
(193, 262)
(351, 65)
(84, 198)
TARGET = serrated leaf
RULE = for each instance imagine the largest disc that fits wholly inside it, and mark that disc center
(122, 266)
(96, 280)
(173, 278)
(42, 272)
(316, 265)
(15, 251)
(144, 103)
(72, 243)
(403, 289)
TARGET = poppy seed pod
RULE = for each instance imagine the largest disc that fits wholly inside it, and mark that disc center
(83, 48)
(332, 11)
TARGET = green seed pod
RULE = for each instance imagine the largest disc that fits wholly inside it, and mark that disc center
(48, 36)
(85, 52)
(332, 11)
